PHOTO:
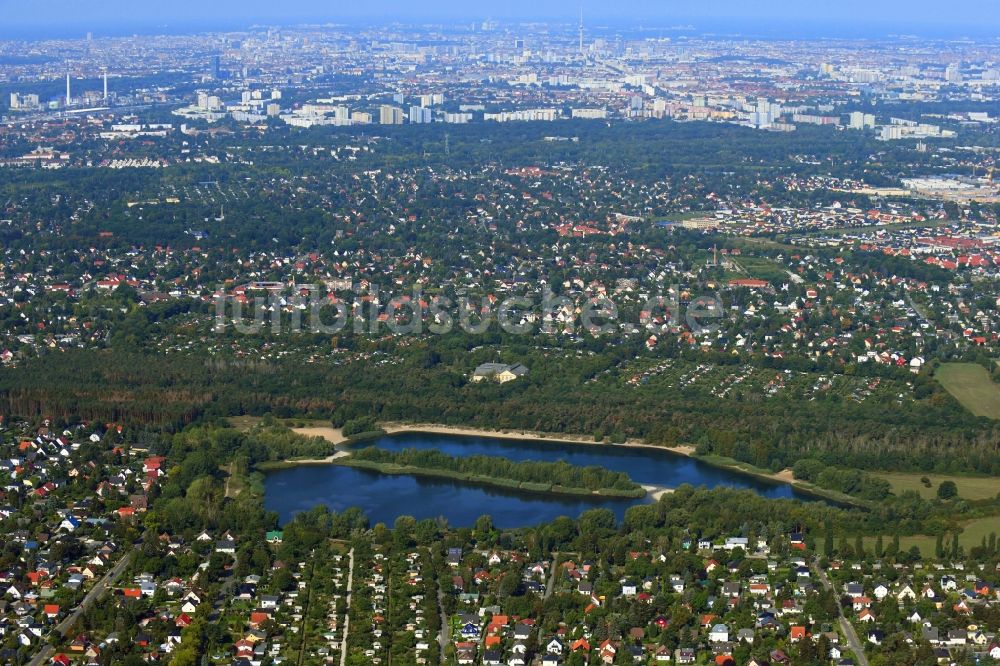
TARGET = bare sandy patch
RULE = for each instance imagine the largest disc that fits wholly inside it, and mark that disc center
(333, 435)
(656, 492)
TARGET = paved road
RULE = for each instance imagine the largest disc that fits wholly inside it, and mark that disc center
(845, 626)
(550, 584)
(305, 614)
(95, 593)
(347, 614)
(224, 592)
(445, 621)
(916, 308)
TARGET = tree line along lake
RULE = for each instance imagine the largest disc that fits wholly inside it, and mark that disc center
(384, 497)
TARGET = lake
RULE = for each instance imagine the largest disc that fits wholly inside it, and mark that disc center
(385, 497)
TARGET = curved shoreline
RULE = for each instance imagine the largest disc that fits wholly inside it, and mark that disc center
(336, 437)
(784, 477)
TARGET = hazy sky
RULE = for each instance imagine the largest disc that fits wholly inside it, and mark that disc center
(979, 16)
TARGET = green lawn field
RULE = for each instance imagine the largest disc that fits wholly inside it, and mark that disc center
(972, 535)
(969, 487)
(761, 268)
(971, 385)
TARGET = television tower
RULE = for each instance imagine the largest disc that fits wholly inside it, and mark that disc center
(581, 30)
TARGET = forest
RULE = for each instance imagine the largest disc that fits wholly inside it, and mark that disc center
(430, 385)
(557, 476)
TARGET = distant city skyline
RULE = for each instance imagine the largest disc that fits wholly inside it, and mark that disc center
(40, 18)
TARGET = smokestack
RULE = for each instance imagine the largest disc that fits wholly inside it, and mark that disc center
(67, 89)
(105, 84)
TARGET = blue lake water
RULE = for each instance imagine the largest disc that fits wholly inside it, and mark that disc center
(385, 497)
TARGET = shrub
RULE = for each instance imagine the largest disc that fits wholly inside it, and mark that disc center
(359, 425)
(947, 490)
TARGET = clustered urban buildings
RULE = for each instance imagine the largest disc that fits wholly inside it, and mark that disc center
(499, 73)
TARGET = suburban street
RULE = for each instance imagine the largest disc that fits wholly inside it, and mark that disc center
(227, 585)
(846, 627)
(445, 624)
(96, 592)
(347, 615)
(550, 584)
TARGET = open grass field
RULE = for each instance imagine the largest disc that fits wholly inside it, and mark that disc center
(761, 268)
(969, 487)
(974, 531)
(971, 385)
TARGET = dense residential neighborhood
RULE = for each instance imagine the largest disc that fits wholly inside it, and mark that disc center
(85, 511)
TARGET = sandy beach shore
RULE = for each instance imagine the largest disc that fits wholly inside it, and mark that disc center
(785, 475)
(656, 492)
(335, 436)
(394, 428)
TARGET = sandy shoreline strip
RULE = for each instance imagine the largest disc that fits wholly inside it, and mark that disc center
(656, 492)
(394, 428)
(335, 436)
(332, 435)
